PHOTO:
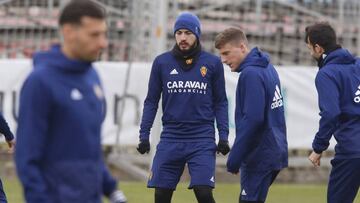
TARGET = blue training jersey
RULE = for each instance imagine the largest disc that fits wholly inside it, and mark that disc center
(260, 142)
(59, 128)
(338, 87)
(191, 99)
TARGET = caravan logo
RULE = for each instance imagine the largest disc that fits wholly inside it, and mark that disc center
(357, 95)
(278, 99)
(194, 87)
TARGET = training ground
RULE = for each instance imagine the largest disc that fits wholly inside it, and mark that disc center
(137, 192)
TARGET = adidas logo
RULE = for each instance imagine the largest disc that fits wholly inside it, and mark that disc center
(174, 72)
(277, 100)
(357, 94)
(212, 179)
(243, 192)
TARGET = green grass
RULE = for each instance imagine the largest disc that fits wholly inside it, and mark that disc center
(13, 190)
(224, 193)
(228, 193)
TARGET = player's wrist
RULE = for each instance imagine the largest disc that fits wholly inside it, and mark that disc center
(144, 137)
(223, 137)
(9, 137)
(317, 151)
(145, 141)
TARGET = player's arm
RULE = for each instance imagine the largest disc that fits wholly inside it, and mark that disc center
(109, 186)
(150, 107)
(101, 92)
(34, 115)
(328, 98)
(5, 130)
(221, 108)
(252, 92)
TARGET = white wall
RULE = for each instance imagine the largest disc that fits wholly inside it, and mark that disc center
(298, 89)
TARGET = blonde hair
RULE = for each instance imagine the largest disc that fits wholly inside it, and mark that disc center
(232, 35)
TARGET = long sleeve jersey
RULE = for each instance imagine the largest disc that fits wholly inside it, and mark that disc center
(338, 87)
(191, 99)
(260, 142)
(58, 155)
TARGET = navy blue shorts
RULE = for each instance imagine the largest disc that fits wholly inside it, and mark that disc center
(344, 180)
(171, 157)
(255, 184)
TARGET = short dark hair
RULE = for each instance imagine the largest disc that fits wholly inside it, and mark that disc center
(76, 9)
(321, 33)
(233, 35)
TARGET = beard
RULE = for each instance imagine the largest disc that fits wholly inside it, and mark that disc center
(184, 46)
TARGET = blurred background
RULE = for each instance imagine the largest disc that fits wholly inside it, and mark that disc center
(138, 25)
(139, 30)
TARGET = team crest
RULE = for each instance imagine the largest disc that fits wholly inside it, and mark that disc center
(203, 71)
(98, 91)
(189, 61)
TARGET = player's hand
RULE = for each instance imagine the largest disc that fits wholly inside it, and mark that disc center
(231, 168)
(223, 147)
(118, 197)
(234, 172)
(315, 158)
(11, 144)
(143, 147)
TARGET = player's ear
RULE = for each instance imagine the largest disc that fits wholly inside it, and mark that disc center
(318, 49)
(68, 31)
(242, 46)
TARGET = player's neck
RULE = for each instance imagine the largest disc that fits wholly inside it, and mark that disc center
(68, 52)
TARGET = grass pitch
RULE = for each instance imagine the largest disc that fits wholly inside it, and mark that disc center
(137, 192)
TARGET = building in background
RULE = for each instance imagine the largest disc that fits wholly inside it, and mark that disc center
(274, 25)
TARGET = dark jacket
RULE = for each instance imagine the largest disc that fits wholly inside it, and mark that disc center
(338, 87)
(260, 142)
(58, 153)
